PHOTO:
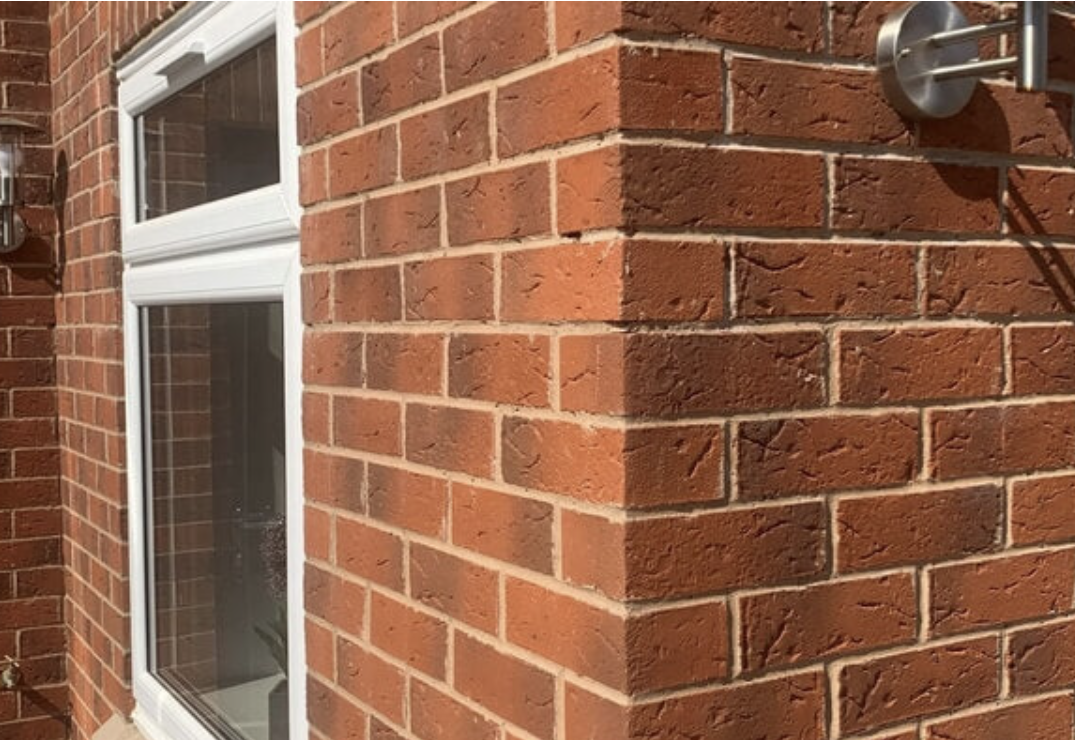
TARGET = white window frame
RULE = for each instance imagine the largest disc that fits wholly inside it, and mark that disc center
(241, 248)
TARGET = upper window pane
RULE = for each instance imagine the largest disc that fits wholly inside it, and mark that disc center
(216, 138)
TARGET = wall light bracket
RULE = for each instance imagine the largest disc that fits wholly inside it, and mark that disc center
(928, 57)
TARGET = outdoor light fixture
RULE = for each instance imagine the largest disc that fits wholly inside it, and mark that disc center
(12, 135)
(927, 55)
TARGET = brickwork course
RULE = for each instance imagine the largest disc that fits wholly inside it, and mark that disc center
(660, 380)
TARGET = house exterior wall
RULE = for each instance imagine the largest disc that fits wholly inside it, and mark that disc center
(86, 40)
(660, 380)
(31, 572)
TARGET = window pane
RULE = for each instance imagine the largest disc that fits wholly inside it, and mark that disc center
(216, 138)
(218, 574)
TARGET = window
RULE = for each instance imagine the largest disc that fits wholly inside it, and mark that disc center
(212, 350)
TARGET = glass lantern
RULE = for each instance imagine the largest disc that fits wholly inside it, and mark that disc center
(13, 134)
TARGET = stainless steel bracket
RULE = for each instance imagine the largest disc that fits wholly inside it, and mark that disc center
(928, 59)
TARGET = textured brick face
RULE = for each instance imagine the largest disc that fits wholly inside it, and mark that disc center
(662, 381)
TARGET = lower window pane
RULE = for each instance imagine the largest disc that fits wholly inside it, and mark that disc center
(216, 490)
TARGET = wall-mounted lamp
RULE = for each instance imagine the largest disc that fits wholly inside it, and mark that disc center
(13, 133)
(927, 55)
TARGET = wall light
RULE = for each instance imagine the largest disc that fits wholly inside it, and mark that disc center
(927, 55)
(13, 133)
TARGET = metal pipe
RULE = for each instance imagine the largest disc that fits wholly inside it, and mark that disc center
(976, 68)
(971, 33)
(1033, 73)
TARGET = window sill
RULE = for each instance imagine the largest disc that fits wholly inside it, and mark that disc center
(118, 728)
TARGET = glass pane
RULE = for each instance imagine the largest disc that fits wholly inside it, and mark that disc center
(215, 461)
(218, 137)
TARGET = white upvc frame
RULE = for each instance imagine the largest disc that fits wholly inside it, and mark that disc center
(238, 249)
(220, 31)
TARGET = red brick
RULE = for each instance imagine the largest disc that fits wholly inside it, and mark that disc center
(1000, 118)
(370, 679)
(868, 541)
(564, 458)
(586, 542)
(407, 363)
(585, 639)
(334, 480)
(358, 30)
(1038, 201)
(514, 690)
(455, 587)
(632, 89)
(1043, 510)
(332, 236)
(329, 109)
(504, 368)
(403, 223)
(891, 196)
(1042, 658)
(886, 366)
(333, 358)
(362, 162)
(610, 281)
(918, 683)
(316, 418)
(973, 280)
(415, 16)
(781, 279)
(339, 602)
(855, 27)
(437, 716)
(406, 77)
(779, 25)
(1002, 440)
(785, 707)
(662, 187)
(993, 592)
(313, 177)
(411, 636)
(369, 553)
(509, 528)
(411, 501)
(677, 646)
(366, 424)
(785, 628)
(676, 556)
(791, 457)
(447, 138)
(1042, 358)
(1040, 720)
(1062, 31)
(586, 715)
(459, 288)
(493, 42)
(506, 204)
(590, 191)
(580, 22)
(309, 57)
(670, 375)
(796, 101)
(367, 294)
(450, 439)
(331, 714)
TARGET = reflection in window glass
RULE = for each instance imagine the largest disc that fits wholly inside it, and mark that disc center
(218, 137)
(218, 576)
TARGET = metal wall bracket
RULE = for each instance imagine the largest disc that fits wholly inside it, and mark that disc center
(927, 55)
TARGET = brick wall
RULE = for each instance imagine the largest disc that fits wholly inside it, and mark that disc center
(662, 381)
(31, 574)
(85, 39)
